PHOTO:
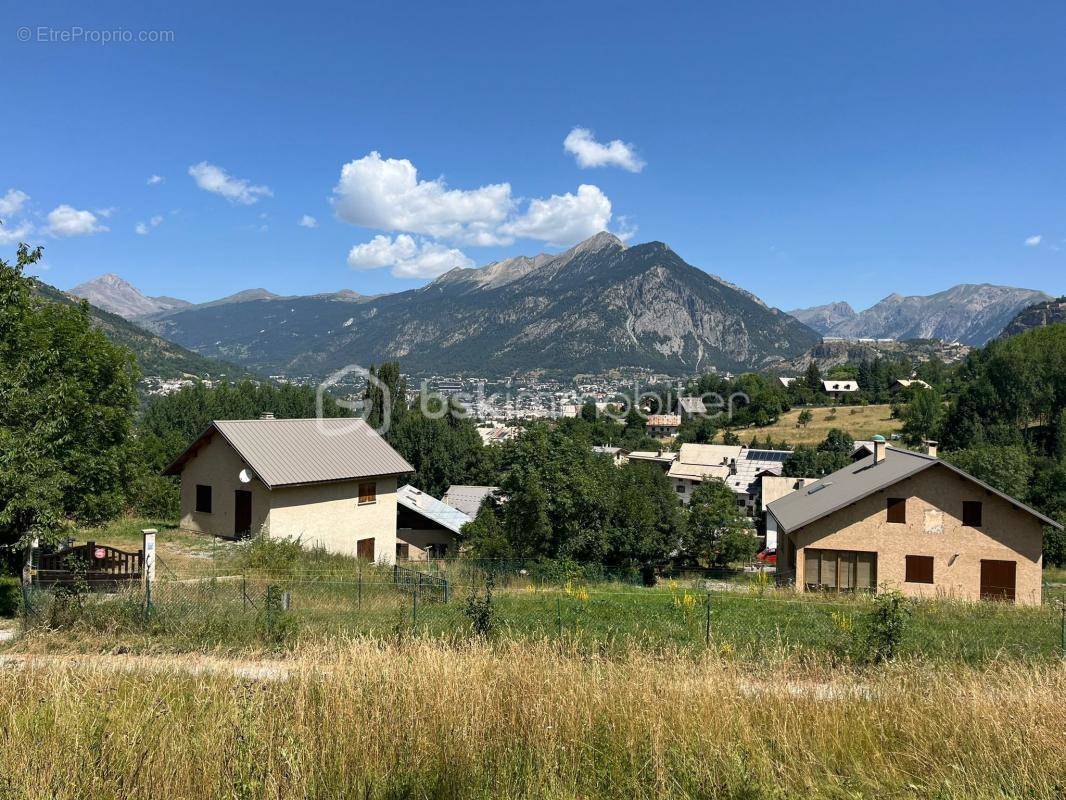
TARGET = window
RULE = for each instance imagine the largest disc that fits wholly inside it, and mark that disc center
(403, 551)
(839, 570)
(203, 499)
(919, 569)
(971, 513)
(681, 488)
(368, 492)
(897, 509)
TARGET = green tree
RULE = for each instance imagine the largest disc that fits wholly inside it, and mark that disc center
(386, 392)
(67, 398)
(805, 418)
(716, 532)
(588, 411)
(485, 535)
(1005, 468)
(922, 416)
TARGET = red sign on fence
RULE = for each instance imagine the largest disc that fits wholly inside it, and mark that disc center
(99, 552)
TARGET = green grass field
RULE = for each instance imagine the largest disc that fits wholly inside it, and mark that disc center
(861, 422)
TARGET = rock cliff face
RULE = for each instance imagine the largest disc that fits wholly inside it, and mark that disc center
(597, 306)
(824, 318)
(1038, 315)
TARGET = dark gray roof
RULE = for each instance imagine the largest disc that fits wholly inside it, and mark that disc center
(287, 452)
(860, 479)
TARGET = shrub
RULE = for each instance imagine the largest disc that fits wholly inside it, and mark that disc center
(884, 628)
(479, 610)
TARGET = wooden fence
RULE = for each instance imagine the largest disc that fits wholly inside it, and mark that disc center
(99, 567)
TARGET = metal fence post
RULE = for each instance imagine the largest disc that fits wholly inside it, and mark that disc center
(707, 622)
(414, 609)
(244, 591)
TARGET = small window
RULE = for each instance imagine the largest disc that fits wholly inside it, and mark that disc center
(971, 513)
(203, 499)
(897, 509)
(403, 551)
(368, 492)
(681, 488)
(919, 569)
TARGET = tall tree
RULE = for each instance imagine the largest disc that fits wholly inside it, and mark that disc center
(716, 532)
(67, 398)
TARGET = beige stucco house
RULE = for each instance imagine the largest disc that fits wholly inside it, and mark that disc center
(329, 482)
(909, 521)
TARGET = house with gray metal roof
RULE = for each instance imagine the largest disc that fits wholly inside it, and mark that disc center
(426, 527)
(327, 482)
(910, 521)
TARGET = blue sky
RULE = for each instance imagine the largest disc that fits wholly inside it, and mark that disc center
(807, 151)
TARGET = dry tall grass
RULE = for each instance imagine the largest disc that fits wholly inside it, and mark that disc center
(421, 719)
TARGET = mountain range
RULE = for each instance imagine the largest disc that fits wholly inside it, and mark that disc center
(968, 313)
(155, 355)
(598, 306)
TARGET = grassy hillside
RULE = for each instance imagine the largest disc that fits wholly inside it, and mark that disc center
(155, 356)
(861, 422)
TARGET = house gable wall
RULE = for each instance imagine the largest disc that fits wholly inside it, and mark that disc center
(217, 464)
(934, 501)
(329, 515)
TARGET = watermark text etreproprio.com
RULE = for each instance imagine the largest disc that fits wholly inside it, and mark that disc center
(76, 34)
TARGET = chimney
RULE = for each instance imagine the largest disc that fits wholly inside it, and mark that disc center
(930, 447)
(267, 415)
(879, 448)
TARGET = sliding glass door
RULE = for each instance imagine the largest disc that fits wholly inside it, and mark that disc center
(839, 570)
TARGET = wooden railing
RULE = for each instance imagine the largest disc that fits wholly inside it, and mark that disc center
(98, 566)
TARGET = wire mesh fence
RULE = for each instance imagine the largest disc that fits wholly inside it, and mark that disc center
(753, 619)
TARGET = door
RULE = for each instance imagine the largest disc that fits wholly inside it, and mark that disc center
(998, 580)
(364, 548)
(242, 513)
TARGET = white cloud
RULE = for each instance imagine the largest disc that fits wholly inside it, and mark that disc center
(237, 190)
(12, 202)
(564, 219)
(106, 212)
(65, 220)
(582, 145)
(155, 180)
(406, 257)
(11, 234)
(143, 228)
(307, 221)
(386, 194)
(1033, 241)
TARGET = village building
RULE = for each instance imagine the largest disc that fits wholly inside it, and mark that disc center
(663, 426)
(661, 458)
(901, 520)
(616, 454)
(327, 482)
(902, 384)
(839, 390)
(691, 407)
(770, 488)
(426, 528)
(469, 499)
